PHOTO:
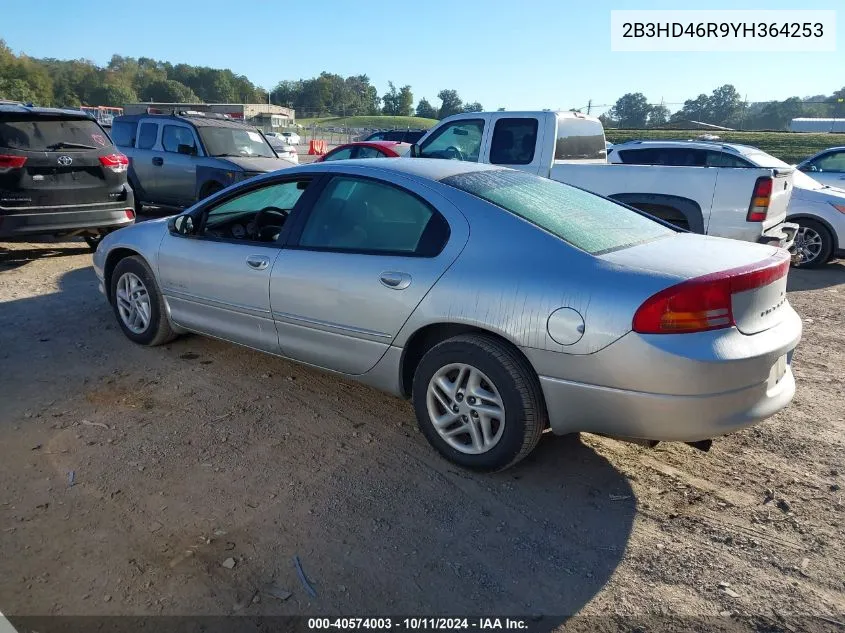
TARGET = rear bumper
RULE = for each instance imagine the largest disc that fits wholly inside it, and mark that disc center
(653, 416)
(684, 387)
(57, 220)
(782, 235)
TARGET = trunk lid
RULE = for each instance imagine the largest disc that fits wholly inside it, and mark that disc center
(758, 272)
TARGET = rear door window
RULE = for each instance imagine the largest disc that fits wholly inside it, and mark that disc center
(368, 152)
(147, 135)
(669, 156)
(43, 133)
(579, 138)
(123, 133)
(514, 141)
(722, 159)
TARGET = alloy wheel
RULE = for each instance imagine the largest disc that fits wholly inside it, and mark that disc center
(133, 303)
(465, 408)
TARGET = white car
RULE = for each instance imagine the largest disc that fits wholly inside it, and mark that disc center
(828, 167)
(283, 148)
(291, 137)
(817, 209)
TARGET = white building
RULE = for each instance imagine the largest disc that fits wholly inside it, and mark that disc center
(817, 125)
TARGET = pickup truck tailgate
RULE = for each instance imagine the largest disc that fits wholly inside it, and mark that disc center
(781, 195)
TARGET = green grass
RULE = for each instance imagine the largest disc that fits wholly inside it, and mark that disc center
(385, 122)
(790, 147)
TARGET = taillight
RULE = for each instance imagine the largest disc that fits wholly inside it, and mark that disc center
(760, 199)
(116, 162)
(704, 303)
(11, 162)
(130, 213)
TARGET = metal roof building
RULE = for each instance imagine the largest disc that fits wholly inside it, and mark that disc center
(817, 125)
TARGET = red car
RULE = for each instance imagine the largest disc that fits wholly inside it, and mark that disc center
(367, 149)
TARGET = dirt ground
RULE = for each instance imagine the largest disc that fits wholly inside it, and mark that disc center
(132, 475)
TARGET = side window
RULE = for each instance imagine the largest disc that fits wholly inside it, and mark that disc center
(369, 152)
(722, 159)
(257, 215)
(640, 157)
(341, 154)
(363, 215)
(513, 141)
(459, 140)
(174, 136)
(147, 134)
(832, 162)
(123, 133)
(684, 157)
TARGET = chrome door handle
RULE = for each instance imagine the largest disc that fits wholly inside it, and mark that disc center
(257, 262)
(394, 280)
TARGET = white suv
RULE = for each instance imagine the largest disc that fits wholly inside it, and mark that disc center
(817, 209)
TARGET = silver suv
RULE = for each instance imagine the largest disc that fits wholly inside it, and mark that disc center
(177, 159)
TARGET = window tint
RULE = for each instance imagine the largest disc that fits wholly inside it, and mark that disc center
(363, 215)
(172, 136)
(723, 159)
(41, 132)
(123, 133)
(147, 135)
(460, 140)
(369, 152)
(585, 220)
(281, 196)
(833, 162)
(670, 156)
(378, 136)
(235, 141)
(341, 154)
(513, 141)
(579, 138)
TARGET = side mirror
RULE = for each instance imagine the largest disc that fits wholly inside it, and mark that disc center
(414, 152)
(188, 150)
(181, 224)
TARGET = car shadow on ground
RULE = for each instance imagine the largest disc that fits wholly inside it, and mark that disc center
(831, 274)
(17, 257)
(383, 525)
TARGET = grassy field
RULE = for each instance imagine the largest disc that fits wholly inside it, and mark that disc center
(790, 147)
(385, 122)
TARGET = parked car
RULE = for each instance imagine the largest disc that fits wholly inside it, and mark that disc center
(380, 270)
(60, 175)
(283, 149)
(367, 149)
(570, 147)
(177, 159)
(401, 136)
(292, 138)
(818, 210)
(828, 167)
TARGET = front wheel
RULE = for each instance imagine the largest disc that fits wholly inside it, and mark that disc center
(814, 242)
(138, 304)
(478, 402)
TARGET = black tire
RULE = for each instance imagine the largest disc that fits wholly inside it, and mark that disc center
(158, 330)
(807, 227)
(517, 384)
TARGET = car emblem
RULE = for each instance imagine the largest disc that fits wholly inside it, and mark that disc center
(64, 161)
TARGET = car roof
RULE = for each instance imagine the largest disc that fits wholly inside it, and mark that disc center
(428, 168)
(20, 108)
(736, 148)
(196, 119)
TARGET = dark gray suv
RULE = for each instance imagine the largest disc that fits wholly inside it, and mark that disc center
(177, 159)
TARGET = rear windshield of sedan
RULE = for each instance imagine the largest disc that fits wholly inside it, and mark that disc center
(585, 220)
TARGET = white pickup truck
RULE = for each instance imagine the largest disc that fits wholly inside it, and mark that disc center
(744, 204)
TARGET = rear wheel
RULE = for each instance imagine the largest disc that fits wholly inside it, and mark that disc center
(814, 242)
(668, 214)
(478, 402)
(138, 304)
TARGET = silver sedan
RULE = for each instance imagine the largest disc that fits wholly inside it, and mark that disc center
(501, 303)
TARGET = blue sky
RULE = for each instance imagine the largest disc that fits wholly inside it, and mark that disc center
(528, 54)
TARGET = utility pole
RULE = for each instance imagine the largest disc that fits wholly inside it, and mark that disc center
(589, 106)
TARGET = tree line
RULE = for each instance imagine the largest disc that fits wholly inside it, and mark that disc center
(71, 83)
(724, 107)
